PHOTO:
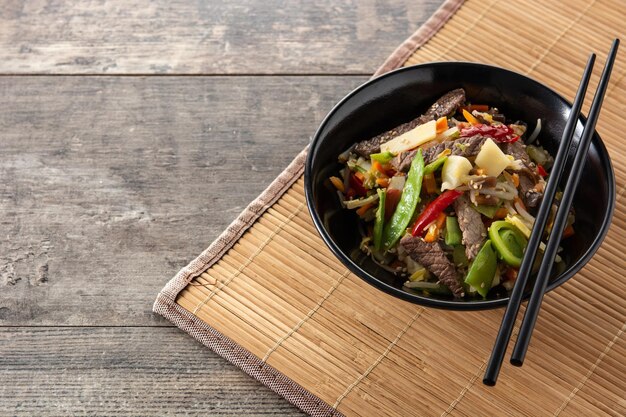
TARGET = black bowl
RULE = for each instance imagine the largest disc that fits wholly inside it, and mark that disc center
(399, 96)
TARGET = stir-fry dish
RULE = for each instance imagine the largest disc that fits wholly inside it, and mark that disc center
(447, 199)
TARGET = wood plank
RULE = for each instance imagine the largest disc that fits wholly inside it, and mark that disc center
(112, 184)
(205, 37)
(123, 371)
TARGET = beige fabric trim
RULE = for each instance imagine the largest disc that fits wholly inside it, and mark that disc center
(166, 305)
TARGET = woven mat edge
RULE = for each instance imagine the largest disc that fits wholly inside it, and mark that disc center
(166, 306)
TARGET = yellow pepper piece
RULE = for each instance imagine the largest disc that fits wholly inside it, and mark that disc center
(468, 116)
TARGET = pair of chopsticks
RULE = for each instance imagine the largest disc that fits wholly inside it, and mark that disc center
(539, 289)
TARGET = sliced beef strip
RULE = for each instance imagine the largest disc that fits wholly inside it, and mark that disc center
(432, 257)
(530, 196)
(528, 177)
(517, 150)
(446, 105)
(471, 225)
(469, 146)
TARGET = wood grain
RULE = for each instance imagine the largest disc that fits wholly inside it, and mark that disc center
(123, 372)
(111, 185)
(205, 37)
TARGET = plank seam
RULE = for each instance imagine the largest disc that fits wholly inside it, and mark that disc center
(593, 368)
(433, 25)
(307, 317)
(378, 360)
(249, 260)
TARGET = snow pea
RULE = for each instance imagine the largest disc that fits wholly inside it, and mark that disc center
(453, 231)
(481, 272)
(380, 218)
(400, 219)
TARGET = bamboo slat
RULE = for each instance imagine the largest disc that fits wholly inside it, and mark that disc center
(282, 295)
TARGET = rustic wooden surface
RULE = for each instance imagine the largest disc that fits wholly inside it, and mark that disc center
(130, 132)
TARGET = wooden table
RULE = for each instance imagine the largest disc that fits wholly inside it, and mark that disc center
(132, 133)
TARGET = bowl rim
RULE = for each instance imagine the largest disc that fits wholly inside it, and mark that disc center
(434, 302)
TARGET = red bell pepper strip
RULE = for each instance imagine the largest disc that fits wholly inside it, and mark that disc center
(391, 202)
(357, 185)
(432, 210)
(541, 171)
(499, 133)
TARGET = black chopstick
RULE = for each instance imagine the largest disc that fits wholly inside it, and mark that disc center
(532, 311)
(512, 309)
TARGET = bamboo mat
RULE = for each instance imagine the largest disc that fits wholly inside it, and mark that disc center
(270, 297)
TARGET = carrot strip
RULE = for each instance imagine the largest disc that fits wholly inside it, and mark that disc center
(430, 184)
(515, 177)
(501, 213)
(442, 124)
(383, 182)
(363, 209)
(468, 116)
(338, 184)
(433, 231)
(378, 167)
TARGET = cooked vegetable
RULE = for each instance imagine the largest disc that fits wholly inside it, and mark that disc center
(471, 119)
(541, 171)
(508, 241)
(568, 232)
(411, 139)
(455, 171)
(481, 187)
(430, 287)
(435, 165)
(491, 159)
(487, 211)
(500, 133)
(419, 275)
(450, 134)
(482, 270)
(338, 183)
(535, 133)
(430, 183)
(380, 219)
(356, 184)
(432, 211)
(453, 232)
(392, 198)
(434, 229)
(352, 204)
(383, 182)
(361, 211)
(382, 157)
(459, 257)
(406, 206)
(442, 124)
